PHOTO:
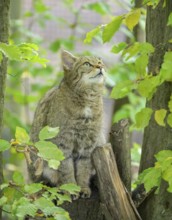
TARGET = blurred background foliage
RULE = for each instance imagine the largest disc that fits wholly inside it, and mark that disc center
(54, 25)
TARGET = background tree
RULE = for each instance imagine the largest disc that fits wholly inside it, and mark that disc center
(4, 34)
(157, 138)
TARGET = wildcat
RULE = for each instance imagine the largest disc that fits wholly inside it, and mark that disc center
(75, 106)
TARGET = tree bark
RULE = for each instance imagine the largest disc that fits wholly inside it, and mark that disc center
(4, 34)
(121, 145)
(157, 138)
(117, 204)
(86, 209)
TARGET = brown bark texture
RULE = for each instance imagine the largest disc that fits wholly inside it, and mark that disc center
(116, 201)
(157, 138)
(121, 144)
(4, 26)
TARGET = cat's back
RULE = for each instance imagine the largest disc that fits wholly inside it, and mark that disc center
(40, 116)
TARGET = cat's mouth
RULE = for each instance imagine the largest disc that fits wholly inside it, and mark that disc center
(99, 74)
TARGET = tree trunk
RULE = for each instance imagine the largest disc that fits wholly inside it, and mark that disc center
(120, 139)
(4, 25)
(157, 138)
(116, 201)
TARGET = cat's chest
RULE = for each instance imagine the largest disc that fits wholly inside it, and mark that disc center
(87, 112)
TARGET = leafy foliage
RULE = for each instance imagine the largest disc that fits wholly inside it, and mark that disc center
(4, 145)
(99, 7)
(22, 52)
(132, 18)
(21, 135)
(143, 117)
(48, 133)
(111, 28)
(36, 199)
(49, 152)
(169, 19)
(92, 34)
(160, 116)
(162, 169)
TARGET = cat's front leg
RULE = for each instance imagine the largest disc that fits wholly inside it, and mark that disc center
(84, 171)
(66, 171)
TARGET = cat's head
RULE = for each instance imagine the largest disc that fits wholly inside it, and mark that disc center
(83, 72)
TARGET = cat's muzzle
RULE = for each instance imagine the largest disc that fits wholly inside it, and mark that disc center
(99, 74)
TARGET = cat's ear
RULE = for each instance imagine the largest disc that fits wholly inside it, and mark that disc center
(67, 60)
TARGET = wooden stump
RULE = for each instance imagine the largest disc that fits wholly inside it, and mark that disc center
(116, 201)
(121, 145)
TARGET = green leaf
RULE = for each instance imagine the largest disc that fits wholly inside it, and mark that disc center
(4, 145)
(55, 46)
(166, 69)
(24, 208)
(147, 87)
(151, 178)
(141, 64)
(99, 7)
(152, 3)
(12, 194)
(146, 48)
(132, 18)
(1, 56)
(33, 188)
(143, 117)
(132, 50)
(18, 178)
(138, 48)
(49, 151)
(122, 89)
(169, 119)
(167, 175)
(111, 28)
(163, 155)
(21, 135)
(71, 188)
(160, 116)
(54, 210)
(4, 185)
(169, 23)
(40, 7)
(22, 52)
(37, 59)
(48, 133)
(28, 46)
(92, 33)
(118, 48)
(63, 198)
(61, 217)
(3, 200)
(10, 51)
(42, 203)
(64, 43)
(54, 164)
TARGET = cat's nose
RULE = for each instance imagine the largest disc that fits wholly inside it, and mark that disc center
(101, 71)
(98, 66)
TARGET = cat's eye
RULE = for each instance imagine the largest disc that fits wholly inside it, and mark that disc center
(87, 64)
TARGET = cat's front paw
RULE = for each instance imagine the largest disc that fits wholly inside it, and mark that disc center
(85, 192)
